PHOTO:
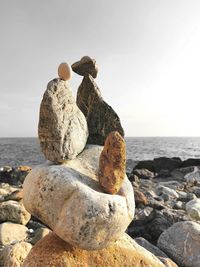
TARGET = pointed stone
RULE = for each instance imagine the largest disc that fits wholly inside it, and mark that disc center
(112, 163)
(62, 126)
(101, 118)
(86, 66)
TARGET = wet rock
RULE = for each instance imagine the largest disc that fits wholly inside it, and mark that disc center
(14, 211)
(86, 66)
(69, 199)
(12, 232)
(181, 242)
(112, 162)
(191, 162)
(60, 123)
(193, 209)
(164, 163)
(101, 118)
(146, 164)
(14, 255)
(52, 251)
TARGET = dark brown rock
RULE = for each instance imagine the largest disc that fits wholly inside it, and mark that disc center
(86, 66)
(101, 118)
(140, 198)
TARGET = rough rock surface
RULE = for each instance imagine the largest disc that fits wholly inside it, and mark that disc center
(86, 66)
(69, 199)
(182, 242)
(62, 126)
(14, 211)
(101, 118)
(14, 255)
(11, 232)
(52, 251)
(112, 163)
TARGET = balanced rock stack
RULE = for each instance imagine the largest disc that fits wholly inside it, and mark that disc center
(82, 193)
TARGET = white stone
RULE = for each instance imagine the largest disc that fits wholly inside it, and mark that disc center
(12, 232)
(166, 190)
(69, 199)
(193, 209)
(14, 255)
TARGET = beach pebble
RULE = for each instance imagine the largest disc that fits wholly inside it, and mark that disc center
(14, 255)
(193, 209)
(112, 162)
(12, 232)
(64, 71)
(14, 211)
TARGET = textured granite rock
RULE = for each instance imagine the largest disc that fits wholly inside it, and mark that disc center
(52, 251)
(101, 118)
(62, 126)
(14, 255)
(86, 66)
(69, 199)
(12, 232)
(181, 243)
(14, 211)
(112, 163)
(64, 71)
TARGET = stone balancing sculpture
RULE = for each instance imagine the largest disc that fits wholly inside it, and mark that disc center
(69, 192)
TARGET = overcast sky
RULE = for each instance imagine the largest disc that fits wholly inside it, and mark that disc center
(148, 52)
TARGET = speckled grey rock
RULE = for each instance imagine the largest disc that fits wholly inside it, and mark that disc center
(86, 66)
(101, 118)
(62, 126)
(69, 199)
(181, 242)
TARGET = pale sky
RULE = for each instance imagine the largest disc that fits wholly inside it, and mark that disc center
(148, 52)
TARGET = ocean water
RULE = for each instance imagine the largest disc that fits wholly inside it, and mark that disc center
(26, 151)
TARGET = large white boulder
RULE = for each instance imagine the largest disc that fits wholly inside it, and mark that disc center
(69, 199)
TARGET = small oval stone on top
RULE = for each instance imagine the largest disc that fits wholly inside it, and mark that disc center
(65, 71)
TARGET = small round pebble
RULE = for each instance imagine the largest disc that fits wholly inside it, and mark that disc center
(64, 71)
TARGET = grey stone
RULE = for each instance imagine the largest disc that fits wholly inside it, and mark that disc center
(101, 118)
(62, 126)
(181, 243)
(86, 66)
(193, 209)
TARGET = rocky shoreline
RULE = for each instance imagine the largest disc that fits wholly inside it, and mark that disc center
(167, 214)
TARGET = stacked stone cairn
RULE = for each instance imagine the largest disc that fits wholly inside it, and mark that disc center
(82, 192)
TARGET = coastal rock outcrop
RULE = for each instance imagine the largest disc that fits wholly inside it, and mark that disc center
(86, 66)
(70, 201)
(60, 123)
(112, 163)
(52, 251)
(101, 118)
(181, 242)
